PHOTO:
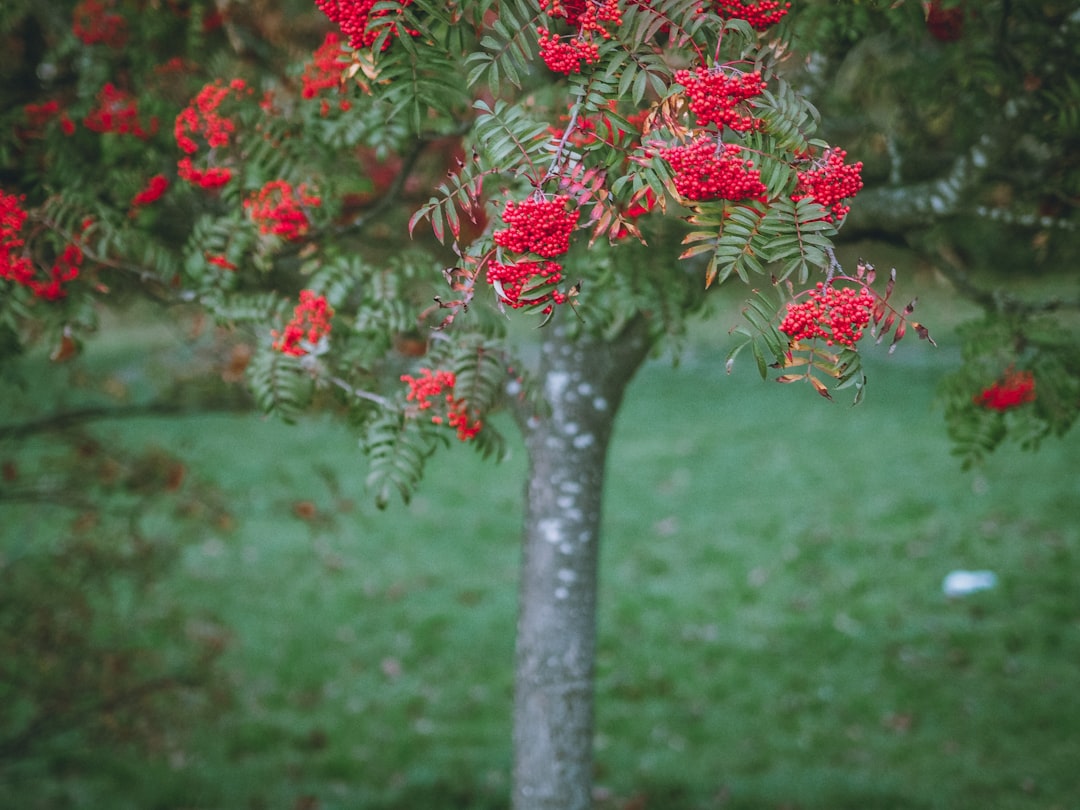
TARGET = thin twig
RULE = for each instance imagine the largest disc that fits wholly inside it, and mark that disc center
(359, 393)
(557, 159)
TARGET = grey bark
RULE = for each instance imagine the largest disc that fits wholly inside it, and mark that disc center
(583, 379)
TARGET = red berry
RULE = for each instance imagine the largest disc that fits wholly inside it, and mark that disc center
(309, 324)
(829, 182)
(538, 226)
(838, 315)
(715, 96)
(707, 170)
(760, 15)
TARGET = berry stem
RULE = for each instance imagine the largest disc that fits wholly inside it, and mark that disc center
(834, 266)
(555, 167)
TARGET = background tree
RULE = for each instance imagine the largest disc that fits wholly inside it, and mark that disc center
(562, 155)
(965, 131)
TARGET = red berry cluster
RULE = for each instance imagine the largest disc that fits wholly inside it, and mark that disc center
(175, 65)
(118, 112)
(64, 269)
(430, 385)
(837, 314)
(944, 24)
(277, 209)
(151, 192)
(706, 170)
(588, 18)
(566, 56)
(760, 15)
(354, 16)
(93, 23)
(219, 261)
(715, 96)
(324, 73)
(527, 284)
(830, 182)
(38, 115)
(209, 179)
(310, 323)
(538, 225)
(17, 266)
(202, 118)
(1011, 391)
(587, 15)
(14, 264)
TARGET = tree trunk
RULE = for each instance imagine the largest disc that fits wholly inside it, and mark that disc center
(583, 381)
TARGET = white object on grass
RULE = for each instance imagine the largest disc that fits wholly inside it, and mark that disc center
(962, 583)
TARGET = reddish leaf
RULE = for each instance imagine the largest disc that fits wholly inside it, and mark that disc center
(67, 348)
(604, 222)
(879, 311)
(174, 476)
(437, 223)
(239, 357)
(820, 387)
(415, 218)
(885, 327)
(305, 510)
(474, 190)
(711, 274)
(923, 332)
(901, 329)
(453, 221)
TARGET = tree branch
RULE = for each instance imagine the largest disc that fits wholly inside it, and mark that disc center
(65, 420)
(953, 267)
(896, 209)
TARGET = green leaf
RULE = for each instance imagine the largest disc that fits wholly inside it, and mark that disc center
(759, 358)
(398, 448)
(280, 384)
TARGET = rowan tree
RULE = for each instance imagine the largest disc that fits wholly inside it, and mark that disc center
(372, 199)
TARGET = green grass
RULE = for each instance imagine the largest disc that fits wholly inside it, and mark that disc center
(773, 632)
(781, 630)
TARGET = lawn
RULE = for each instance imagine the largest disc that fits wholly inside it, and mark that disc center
(773, 628)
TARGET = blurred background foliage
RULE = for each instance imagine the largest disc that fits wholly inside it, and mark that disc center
(96, 653)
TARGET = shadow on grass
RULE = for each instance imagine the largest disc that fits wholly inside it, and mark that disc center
(441, 795)
(661, 795)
